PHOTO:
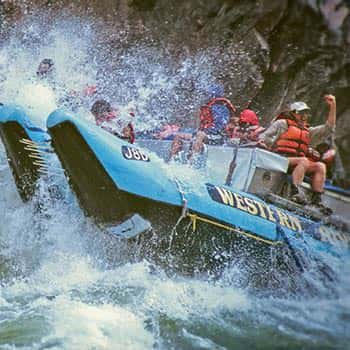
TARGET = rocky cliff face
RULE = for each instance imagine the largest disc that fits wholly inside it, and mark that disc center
(267, 52)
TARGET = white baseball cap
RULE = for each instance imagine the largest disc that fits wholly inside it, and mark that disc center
(299, 106)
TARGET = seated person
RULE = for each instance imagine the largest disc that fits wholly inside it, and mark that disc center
(107, 118)
(215, 115)
(326, 154)
(232, 124)
(247, 130)
(291, 136)
(177, 153)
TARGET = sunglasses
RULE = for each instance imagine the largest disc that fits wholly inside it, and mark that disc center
(305, 113)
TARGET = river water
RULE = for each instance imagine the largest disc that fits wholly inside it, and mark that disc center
(64, 285)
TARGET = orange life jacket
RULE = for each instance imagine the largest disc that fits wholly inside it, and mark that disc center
(296, 140)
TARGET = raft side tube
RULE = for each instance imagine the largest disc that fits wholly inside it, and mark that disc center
(25, 172)
(98, 195)
(131, 169)
(21, 138)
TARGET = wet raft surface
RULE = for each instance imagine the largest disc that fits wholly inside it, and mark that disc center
(25, 172)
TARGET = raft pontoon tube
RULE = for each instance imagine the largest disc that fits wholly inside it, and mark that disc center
(25, 144)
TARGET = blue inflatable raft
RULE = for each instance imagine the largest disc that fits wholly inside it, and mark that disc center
(115, 180)
(204, 224)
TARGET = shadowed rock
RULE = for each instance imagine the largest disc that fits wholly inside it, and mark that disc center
(268, 52)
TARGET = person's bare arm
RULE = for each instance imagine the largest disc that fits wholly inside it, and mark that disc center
(273, 132)
(197, 146)
(319, 133)
(332, 114)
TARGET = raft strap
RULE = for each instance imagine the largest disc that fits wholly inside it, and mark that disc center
(183, 199)
(195, 217)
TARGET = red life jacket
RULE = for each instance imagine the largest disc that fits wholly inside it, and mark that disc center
(296, 140)
(132, 133)
(206, 115)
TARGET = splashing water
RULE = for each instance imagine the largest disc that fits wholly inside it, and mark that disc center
(59, 288)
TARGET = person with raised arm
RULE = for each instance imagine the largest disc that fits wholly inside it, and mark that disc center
(290, 135)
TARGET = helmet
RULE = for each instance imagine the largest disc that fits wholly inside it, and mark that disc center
(248, 116)
(298, 106)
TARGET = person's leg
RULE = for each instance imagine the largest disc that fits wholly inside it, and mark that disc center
(299, 166)
(318, 172)
(197, 146)
(176, 147)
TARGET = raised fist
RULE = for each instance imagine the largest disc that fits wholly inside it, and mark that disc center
(330, 100)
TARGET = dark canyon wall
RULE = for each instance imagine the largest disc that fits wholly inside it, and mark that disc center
(267, 52)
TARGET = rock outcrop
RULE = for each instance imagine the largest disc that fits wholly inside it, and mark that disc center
(269, 52)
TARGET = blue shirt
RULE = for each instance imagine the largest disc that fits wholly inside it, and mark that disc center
(221, 115)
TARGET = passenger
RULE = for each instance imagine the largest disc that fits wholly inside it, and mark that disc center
(232, 124)
(214, 118)
(291, 136)
(107, 118)
(66, 98)
(45, 68)
(177, 152)
(327, 153)
(248, 128)
(45, 76)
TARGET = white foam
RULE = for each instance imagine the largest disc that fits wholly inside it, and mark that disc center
(78, 325)
(192, 298)
(38, 99)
